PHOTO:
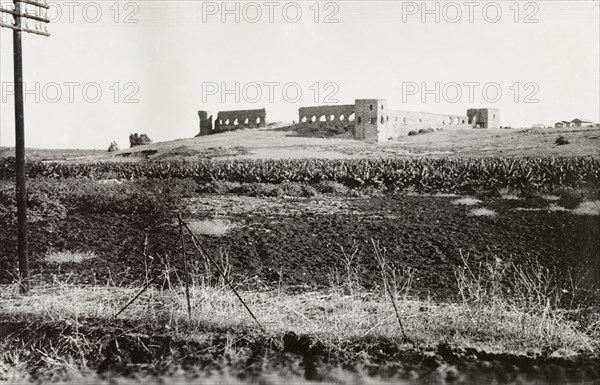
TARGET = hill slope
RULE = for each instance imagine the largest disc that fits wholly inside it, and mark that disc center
(280, 142)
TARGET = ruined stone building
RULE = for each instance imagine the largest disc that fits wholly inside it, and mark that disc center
(231, 120)
(372, 121)
(484, 117)
(367, 119)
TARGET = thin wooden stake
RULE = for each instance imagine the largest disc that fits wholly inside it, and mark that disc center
(185, 271)
(382, 264)
(140, 293)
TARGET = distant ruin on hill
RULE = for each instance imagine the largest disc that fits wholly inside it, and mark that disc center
(368, 119)
(231, 120)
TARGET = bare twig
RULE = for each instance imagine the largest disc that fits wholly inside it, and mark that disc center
(382, 263)
(204, 252)
(185, 271)
(140, 293)
(153, 279)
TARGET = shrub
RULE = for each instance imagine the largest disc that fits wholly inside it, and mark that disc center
(114, 146)
(561, 140)
(138, 140)
(261, 190)
(412, 133)
(330, 187)
(40, 206)
(425, 175)
(296, 189)
(131, 197)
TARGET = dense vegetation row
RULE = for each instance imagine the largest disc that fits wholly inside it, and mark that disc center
(447, 175)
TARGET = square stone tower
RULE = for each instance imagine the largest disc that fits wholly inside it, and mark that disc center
(206, 122)
(370, 121)
(484, 117)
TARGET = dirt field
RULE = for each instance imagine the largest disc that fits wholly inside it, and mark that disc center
(298, 241)
(89, 265)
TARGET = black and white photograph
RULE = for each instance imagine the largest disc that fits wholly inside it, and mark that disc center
(362, 192)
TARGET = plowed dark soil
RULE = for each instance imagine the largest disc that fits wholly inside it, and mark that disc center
(298, 241)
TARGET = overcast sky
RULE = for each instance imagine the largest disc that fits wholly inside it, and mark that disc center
(156, 63)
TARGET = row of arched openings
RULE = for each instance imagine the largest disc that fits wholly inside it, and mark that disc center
(330, 118)
(236, 122)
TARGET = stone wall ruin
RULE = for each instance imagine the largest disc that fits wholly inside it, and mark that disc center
(372, 121)
(484, 117)
(231, 120)
(367, 119)
(339, 118)
(206, 122)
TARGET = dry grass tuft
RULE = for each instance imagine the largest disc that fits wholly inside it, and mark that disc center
(511, 194)
(524, 318)
(520, 318)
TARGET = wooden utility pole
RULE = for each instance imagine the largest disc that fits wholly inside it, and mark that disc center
(19, 13)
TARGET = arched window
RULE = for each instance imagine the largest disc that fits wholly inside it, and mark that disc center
(304, 119)
(236, 122)
(342, 117)
(227, 122)
(351, 117)
(322, 118)
(331, 118)
(313, 119)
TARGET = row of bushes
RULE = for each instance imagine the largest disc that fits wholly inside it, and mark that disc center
(445, 175)
(48, 198)
(51, 198)
(422, 131)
